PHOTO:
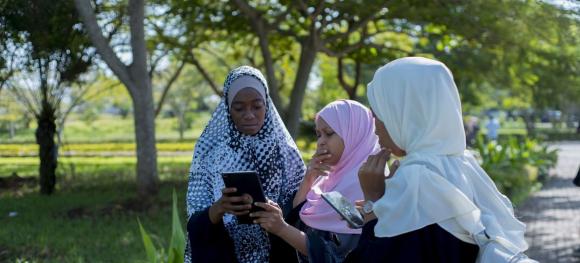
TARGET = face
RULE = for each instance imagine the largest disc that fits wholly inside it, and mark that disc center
(248, 111)
(328, 140)
(385, 139)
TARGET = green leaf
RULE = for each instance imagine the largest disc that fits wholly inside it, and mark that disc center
(177, 244)
(149, 247)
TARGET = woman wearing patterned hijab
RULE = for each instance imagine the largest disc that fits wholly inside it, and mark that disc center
(346, 137)
(244, 133)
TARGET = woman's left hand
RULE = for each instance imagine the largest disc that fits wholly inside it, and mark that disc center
(372, 174)
(271, 218)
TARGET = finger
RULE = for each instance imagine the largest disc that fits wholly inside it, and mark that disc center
(229, 190)
(262, 214)
(386, 154)
(237, 208)
(394, 166)
(324, 157)
(273, 203)
(261, 221)
(323, 168)
(320, 157)
(267, 207)
(372, 160)
(235, 199)
(359, 202)
(382, 162)
(248, 199)
(240, 213)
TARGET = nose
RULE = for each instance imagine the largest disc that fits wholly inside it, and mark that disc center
(248, 115)
(320, 142)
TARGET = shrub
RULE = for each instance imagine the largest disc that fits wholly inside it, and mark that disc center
(517, 166)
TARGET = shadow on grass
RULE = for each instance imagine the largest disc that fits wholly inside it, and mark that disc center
(90, 219)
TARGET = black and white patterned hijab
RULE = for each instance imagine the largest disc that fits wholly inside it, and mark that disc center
(221, 148)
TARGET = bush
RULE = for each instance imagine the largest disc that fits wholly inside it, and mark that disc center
(517, 166)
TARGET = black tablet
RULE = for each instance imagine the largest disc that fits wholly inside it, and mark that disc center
(246, 182)
(344, 208)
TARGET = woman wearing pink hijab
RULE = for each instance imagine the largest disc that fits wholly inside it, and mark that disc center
(346, 137)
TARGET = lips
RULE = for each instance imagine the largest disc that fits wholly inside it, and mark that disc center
(249, 126)
(322, 151)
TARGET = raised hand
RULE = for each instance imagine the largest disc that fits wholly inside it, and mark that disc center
(317, 167)
(372, 175)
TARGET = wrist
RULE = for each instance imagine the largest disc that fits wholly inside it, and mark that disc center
(215, 214)
(309, 180)
(283, 230)
(369, 217)
(373, 196)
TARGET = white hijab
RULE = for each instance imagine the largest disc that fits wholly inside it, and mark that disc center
(418, 102)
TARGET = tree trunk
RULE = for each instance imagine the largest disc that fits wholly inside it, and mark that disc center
(136, 78)
(269, 65)
(294, 111)
(45, 133)
(144, 118)
(181, 125)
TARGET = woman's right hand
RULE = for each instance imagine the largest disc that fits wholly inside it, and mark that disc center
(235, 205)
(317, 167)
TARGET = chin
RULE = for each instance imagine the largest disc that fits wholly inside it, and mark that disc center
(251, 132)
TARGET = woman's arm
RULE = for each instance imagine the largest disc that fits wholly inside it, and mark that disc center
(272, 221)
(315, 169)
(302, 191)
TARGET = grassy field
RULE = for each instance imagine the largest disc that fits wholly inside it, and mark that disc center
(87, 222)
(92, 217)
(112, 129)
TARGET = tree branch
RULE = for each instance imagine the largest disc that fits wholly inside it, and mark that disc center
(89, 18)
(205, 75)
(137, 28)
(220, 59)
(156, 61)
(352, 28)
(261, 27)
(29, 105)
(168, 86)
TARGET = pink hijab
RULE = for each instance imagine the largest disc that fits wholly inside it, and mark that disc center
(354, 123)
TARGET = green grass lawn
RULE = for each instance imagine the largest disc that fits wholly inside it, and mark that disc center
(115, 167)
(113, 129)
(92, 217)
(91, 220)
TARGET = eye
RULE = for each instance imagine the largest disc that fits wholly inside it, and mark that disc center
(329, 134)
(238, 109)
(317, 134)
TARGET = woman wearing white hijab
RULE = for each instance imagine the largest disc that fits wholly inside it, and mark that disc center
(439, 197)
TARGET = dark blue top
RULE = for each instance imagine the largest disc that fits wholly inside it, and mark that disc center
(211, 242)
(429, 244)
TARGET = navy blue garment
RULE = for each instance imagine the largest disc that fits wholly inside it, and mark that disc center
(211, 242)
(577, 179)
(429, 244)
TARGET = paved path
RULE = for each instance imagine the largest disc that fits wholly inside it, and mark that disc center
(553, 214)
